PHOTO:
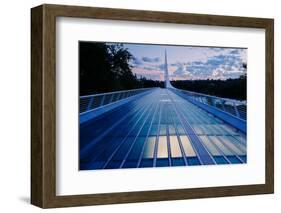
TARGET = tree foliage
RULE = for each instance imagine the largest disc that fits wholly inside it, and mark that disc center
(230, 88)
(106, 68)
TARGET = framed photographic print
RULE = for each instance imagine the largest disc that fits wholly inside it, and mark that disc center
(136, 106)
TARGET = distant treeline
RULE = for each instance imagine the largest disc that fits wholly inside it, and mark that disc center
(106, 68)
(230, 88)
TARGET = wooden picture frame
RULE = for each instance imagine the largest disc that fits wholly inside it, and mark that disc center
(43, 105)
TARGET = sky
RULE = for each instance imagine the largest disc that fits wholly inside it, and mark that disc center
(187, 62)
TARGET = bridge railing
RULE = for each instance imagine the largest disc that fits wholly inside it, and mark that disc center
(234, 107)
(90, 102)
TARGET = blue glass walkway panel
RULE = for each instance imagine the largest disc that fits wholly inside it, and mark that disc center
(157, 128)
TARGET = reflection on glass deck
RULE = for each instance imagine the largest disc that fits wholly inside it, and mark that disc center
(159, 129)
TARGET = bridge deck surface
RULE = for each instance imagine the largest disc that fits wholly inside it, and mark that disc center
(159, 129)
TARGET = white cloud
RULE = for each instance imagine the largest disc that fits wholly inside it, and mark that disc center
(195, 63)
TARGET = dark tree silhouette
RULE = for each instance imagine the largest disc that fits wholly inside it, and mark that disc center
(95, 69)
(106, 68)
(244, 65)
(230, 88)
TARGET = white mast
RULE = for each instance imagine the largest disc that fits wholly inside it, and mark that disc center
(167, 81)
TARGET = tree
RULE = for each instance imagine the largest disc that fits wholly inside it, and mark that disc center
(230, 88)
(104, 68)
(244, 65)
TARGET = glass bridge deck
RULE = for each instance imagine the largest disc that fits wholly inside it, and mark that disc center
(159, 129)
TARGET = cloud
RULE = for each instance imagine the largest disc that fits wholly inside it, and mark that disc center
(149, 74)
(180, 69)
(225, 65)
(200, 63)
(161, 67)
(234, 52)
(151, 60)
(217, 49)
(150, 67)
(136, 62)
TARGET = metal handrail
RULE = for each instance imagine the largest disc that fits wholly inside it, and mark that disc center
(213, 96)
(90, 102)
(118, 91)
(232, 106)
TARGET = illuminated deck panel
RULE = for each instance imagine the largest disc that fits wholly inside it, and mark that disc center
(159, 128)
